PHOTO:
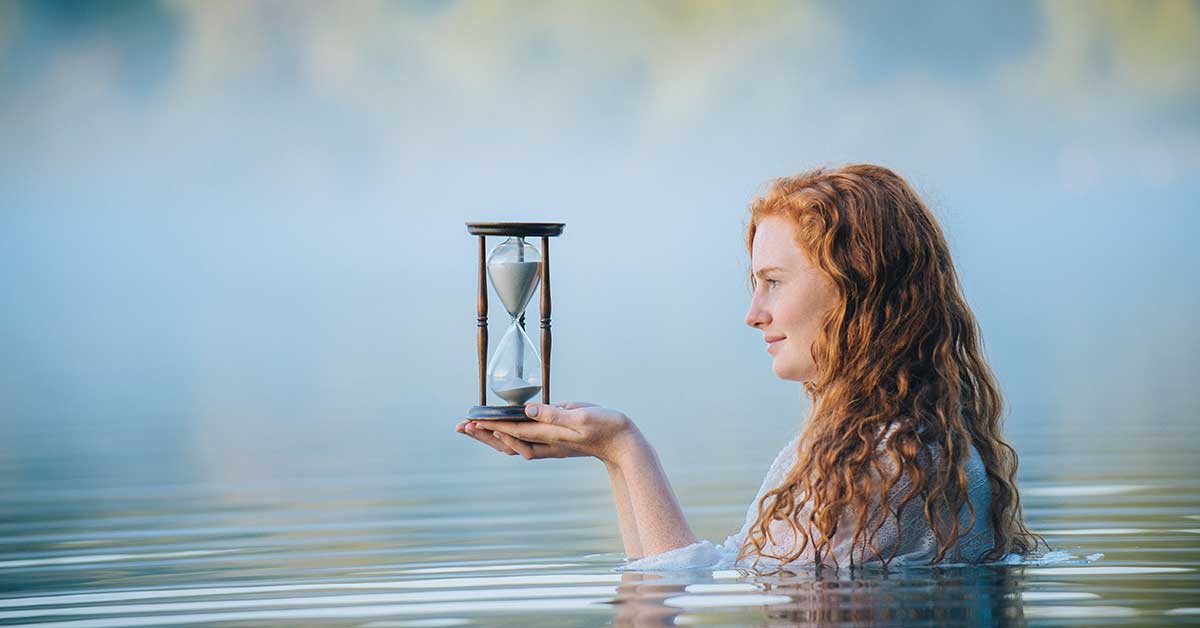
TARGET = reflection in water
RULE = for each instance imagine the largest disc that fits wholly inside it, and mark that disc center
(461, 588)
(1081, 612)
(949, 597)
(725, 601)
(1109, 571)
(548, 606)
(104, 558)
(534, 596)
(1081, 490)
(1056, 596)
(970, 596)
(641, 600)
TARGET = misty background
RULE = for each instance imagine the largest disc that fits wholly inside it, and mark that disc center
(232, 243)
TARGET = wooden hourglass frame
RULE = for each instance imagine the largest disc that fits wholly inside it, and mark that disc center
(545, 231)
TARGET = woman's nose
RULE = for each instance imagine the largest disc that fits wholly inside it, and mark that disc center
(757, 316)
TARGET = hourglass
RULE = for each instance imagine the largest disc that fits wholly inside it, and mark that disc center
(515, 373)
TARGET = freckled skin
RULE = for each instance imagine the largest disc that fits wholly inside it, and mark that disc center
(789, 302)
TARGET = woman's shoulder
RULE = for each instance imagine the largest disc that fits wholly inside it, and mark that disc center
(782, 464)
(933, 454)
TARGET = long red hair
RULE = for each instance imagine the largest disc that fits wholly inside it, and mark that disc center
(901, 354)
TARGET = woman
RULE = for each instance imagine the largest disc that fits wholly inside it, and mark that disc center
(902, 460)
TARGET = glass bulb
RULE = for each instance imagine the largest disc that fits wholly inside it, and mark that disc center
(515, 372)
(515, 267)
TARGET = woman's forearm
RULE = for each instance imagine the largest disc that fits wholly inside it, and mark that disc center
(625, 518)
(658, 518)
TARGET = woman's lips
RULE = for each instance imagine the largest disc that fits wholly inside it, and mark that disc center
(773, 342)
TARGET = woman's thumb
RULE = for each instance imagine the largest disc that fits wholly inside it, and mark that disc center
(540, 412)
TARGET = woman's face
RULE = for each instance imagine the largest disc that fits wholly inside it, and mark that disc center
(790, 298)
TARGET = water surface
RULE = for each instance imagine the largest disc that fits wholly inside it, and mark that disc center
(491, 540)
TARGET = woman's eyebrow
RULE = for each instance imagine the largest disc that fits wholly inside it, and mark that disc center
(762, 271)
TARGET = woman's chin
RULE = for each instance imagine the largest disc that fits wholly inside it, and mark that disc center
(790, 371)
(781, 370)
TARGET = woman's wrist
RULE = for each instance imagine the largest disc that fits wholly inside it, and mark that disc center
(628, 449)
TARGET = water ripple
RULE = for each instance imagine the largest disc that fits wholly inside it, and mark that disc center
(458, 595)
(352, 612)
(441, 583)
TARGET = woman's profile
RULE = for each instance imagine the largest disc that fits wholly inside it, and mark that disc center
(902, 459)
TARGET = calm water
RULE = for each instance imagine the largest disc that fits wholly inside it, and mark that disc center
(491, 540)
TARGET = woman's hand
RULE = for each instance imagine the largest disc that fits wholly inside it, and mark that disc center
(508, 444)
(558, 431)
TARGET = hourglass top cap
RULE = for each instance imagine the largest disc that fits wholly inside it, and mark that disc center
(519, 229)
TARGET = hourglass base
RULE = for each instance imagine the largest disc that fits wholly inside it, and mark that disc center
(499, 413)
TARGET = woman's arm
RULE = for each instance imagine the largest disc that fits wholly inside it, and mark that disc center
(660, 522)
(629, 528)
(650, 517)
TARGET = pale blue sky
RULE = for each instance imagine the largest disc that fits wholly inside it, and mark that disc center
(231, 232)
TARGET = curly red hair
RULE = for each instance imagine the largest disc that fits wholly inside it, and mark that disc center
(900, 373)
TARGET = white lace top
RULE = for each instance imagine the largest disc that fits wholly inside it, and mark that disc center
(916, 547)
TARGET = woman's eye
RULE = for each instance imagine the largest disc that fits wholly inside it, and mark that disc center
(772, 283)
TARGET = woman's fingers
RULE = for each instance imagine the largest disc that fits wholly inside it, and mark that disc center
(487, 438)
(535, 451)
(531, 431)
(523, 449)
(507, 444)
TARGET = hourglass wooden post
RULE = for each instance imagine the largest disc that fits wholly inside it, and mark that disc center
(481, 321)
(545, 319)
(515, 373)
